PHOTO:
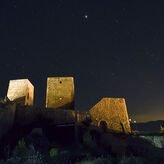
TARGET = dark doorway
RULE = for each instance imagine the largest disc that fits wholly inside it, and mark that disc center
(103, 126)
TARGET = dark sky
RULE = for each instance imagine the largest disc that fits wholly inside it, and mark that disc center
(113, 48)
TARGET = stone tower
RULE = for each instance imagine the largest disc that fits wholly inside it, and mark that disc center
(60, 92)
(111, 114)
(22, 91)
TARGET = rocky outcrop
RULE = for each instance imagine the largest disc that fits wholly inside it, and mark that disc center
(157, 141)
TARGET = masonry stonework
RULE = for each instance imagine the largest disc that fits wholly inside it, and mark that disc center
(109, 114)
(60, 92)
(22, 91)
(112, 113)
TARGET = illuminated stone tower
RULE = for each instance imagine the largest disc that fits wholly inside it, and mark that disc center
(22, 91)
(60, 92)
(111, 114)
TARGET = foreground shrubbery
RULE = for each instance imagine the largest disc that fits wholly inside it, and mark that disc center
(25, 155)
(38, 150)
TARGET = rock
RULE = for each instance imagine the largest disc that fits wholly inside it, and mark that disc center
(157, 141)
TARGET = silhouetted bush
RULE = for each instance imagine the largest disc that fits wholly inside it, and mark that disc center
(99, 160)
(143, 148)
(87, 139)
(37, 149)
(25, 155)
(132, 160)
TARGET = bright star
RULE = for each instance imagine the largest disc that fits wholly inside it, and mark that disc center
(86, 16)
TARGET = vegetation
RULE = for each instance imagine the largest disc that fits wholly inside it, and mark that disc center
(53, 153)
(37, 149)
(87, 139)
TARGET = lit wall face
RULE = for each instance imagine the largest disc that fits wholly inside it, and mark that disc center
(21, 91)
(112, 113)
(60, 92)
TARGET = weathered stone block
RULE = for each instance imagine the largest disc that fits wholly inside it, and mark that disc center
(21, 91)
(111, 113)
(60, 92)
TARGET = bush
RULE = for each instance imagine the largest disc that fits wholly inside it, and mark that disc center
(87, 139)
(99, 160)
(132, 159)
(54, 152)
(24, 155)
(143, 148)
(21, 144)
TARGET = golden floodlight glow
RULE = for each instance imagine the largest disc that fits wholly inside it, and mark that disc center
(112, 113)
(22, 91)
(60, 92)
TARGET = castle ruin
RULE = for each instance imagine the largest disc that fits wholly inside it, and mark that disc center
(109, 114)
(21, 91)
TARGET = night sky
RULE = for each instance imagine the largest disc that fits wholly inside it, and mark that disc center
(112, 48)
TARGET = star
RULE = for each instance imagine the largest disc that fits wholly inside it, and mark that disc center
(86, 16)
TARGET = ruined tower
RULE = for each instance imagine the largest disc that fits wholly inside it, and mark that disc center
(22, 91)
(111, 114)
(60, 92)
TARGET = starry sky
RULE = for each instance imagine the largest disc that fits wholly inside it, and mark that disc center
(111, 48)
